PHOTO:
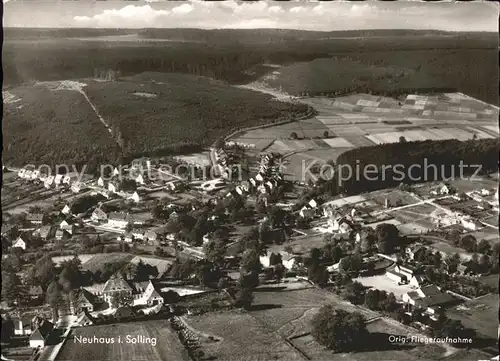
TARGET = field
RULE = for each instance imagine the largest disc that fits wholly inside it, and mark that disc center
(167, 345)
(161, 264)
(289, 312)
(281, 319)
(241, 338)
(480, 314)
(98, 261)
(361, 120)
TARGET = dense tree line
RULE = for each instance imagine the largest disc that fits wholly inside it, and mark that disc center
(412, 162)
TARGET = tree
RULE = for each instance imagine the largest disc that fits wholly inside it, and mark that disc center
(275, 259)
(354, 292)
(326, 134)
(469, 243)
(294, 135)
(279, 272)
(484, 247)
(372, 299)
(402, 139)
(250, 261)
(244, 298)
(387, 237)
(54, 297)
(7, 330)
(337, 329)
(215, 251)
(128, 185)
(11, 287)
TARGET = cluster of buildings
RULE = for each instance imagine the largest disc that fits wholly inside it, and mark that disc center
(76, 182)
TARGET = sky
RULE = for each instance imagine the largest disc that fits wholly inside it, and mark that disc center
(304, 15)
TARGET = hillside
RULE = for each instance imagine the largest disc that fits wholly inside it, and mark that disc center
(147, 113)
(470, 71)
(53, 127)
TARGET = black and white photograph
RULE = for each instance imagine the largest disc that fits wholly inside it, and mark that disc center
(250, 180)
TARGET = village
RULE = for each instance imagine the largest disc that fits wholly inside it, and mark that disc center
(82, 250)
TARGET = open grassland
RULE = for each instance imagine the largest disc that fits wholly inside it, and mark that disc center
(98, 261)
(289, 312)
(480, 314)
(167, 345)
(241, 338)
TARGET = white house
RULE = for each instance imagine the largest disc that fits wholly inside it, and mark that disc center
(67, 179)
(49, 181)
(58, 179)
(340, 225)
(98, 215)
(139, 179)
(287, 259)
(118, 220)
(135, 197)
(428, 299)
(67, 226)
(21, 172)
(76, 187)
(35, 174)
(66, 210)
(19, 243)
(312, 203)
(112, 187)
(39, 337)
(116, 172)
(306, 212)
(100, 182)
(259, 177)
(470, 223)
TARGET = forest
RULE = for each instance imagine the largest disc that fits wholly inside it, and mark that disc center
(416, 162)
(462, 61)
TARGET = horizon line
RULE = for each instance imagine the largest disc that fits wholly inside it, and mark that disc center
(245, 29)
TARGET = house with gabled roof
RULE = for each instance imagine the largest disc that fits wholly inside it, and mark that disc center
(98, 215)
(66, 210)
(135, 197)
(67, 225)
(115, 286)
(428, 299)
(58, 179)
(49, 181)
(19, 243)
(86, 301)
(39, 337)
(100, 182)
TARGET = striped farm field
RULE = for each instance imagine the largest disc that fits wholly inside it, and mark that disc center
(338, 143)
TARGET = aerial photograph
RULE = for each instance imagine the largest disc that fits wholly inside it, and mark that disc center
(250, 181)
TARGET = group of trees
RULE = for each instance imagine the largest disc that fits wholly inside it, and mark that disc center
(339, 330)
(394, 161)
